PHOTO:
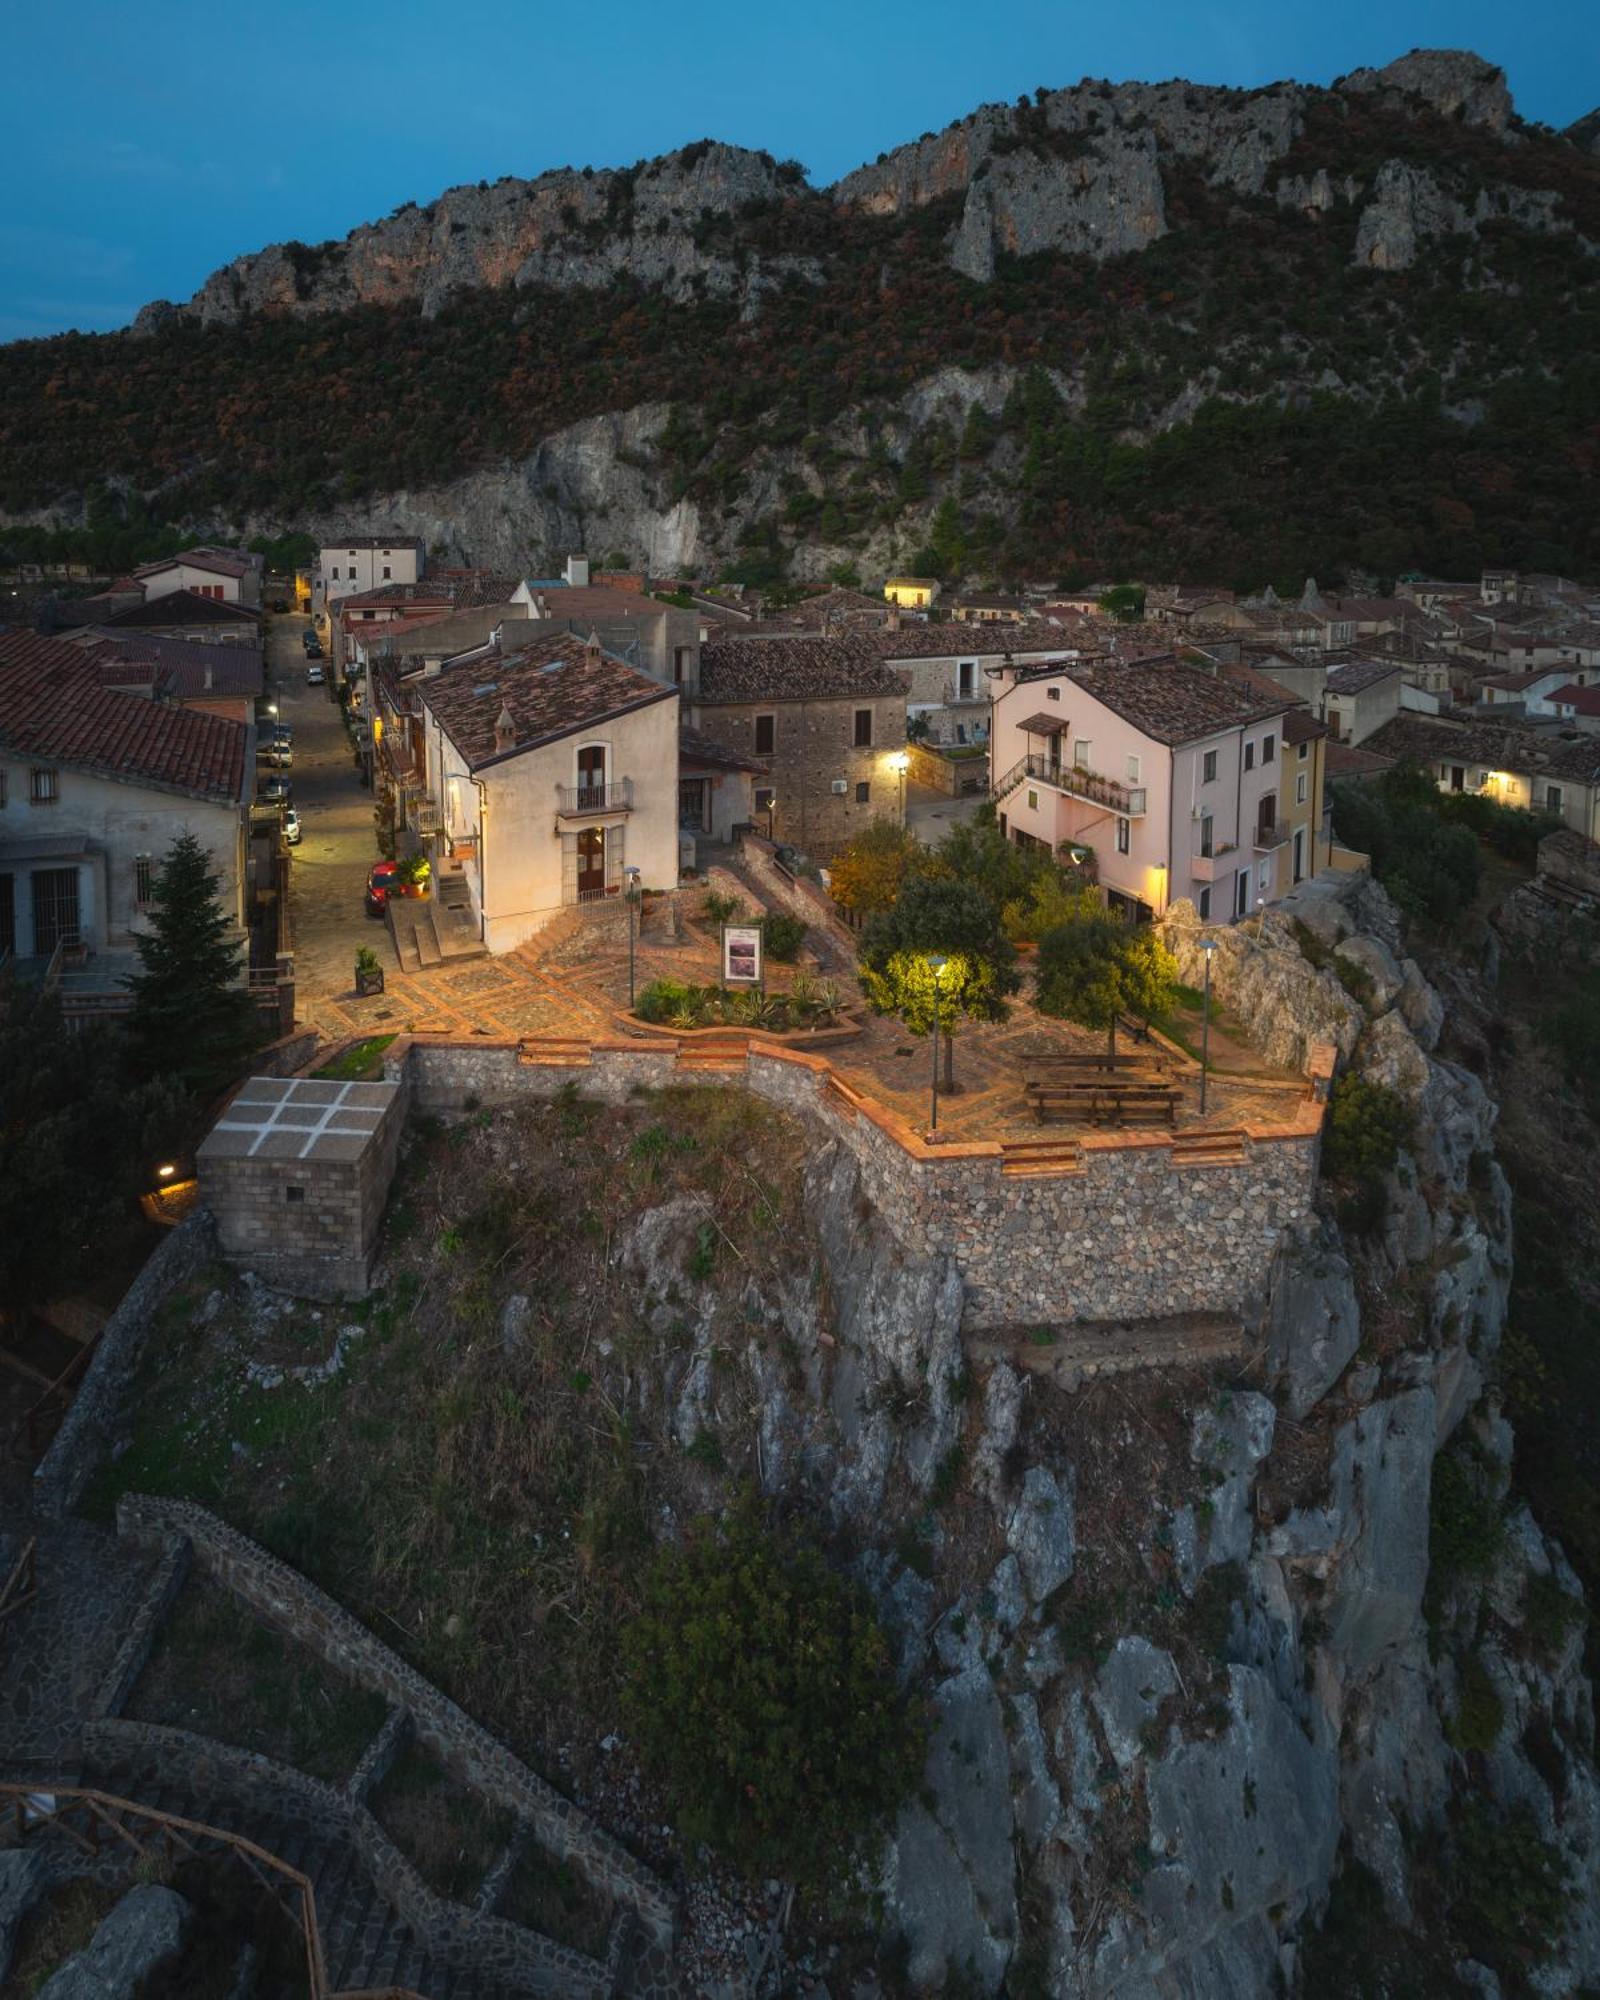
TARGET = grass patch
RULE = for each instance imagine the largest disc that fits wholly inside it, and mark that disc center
(450, 1833)
(360, 1063)
(551, 1897)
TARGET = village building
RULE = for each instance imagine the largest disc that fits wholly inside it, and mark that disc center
(828, 719)
(364, 562)
(1359, 696)
(912, 593)
(1539, 770)
(185, 614)
(230, 576)
(538, 779)
(95, 785)
(1177, 779)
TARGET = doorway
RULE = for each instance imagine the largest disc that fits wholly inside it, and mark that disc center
(1299, 854)
(591, 861)
(592, 778)
(55, 909)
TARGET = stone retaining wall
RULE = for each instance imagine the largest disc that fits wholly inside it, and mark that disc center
(286, 1599)
(85, 1433)
(1134, 1227)
(134, 1758)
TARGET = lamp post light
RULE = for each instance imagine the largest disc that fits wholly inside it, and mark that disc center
(901, 762)
(631, 896)
(936, 965)
(772, 807)
(1208, 945)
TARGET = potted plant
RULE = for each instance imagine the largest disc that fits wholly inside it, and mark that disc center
(414, 873)
(369, 973)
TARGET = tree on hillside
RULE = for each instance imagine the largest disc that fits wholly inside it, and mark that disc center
(1097, 967)
(1124, 601)
(192, 1020)
(958, 922)
(867, 877)
(76, 1144)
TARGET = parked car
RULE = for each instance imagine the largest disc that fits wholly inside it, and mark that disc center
(282, 733)
(315, 677)
(275, 791)
(309, 639)
(277, 756)
(291, 828)
(381, 877)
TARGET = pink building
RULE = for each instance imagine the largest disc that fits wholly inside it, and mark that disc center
(1178, 779)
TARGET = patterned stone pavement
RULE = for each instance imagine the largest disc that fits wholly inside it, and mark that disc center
(573, 981)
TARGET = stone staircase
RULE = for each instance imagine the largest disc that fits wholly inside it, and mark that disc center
(431, 930)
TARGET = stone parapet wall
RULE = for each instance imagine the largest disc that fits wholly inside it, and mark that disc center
(85, 1433)
(1135, 1225)
(141, 1758)
(286, 1599)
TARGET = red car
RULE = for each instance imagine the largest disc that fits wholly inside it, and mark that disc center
(381, 878)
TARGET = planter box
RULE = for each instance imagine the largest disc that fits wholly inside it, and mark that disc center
(368, 983)
(846, 1028)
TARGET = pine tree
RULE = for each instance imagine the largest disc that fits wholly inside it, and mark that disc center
(192, 1020)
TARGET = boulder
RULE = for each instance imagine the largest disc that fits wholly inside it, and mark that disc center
(1313, 1318)
(1128, 1691)
(143, 1934)
(1375, 962)
(1040, 1534)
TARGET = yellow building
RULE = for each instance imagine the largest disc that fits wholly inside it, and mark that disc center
(302, 590)
(912, 593)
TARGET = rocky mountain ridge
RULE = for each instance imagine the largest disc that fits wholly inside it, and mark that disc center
(1077, 170)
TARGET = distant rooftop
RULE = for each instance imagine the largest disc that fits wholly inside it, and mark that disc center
(298, 1118)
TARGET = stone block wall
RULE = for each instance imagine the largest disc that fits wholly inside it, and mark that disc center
(85, 1433)
(286, 1599)
(1134, 1229)
(813, 746)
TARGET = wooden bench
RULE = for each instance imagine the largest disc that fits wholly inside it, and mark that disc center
(1072, 1063)
(1103, 1103)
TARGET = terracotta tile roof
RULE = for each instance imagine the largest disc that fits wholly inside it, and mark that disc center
(1170, 701)
(214, 561)
(54, 707)
(1529, 752)
(184, 607)
(797, 669)
(840, 602)
(1355, 675)
(552, 687)
(394, 541)
(1344, 760)
(428, 591)
(970, 641)
(1586, 700)
(693, 748)
(184, 664)
(587, 602)
(1301, 726)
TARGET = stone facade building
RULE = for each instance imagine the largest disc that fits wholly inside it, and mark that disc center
(827, 718)
(296, 1172)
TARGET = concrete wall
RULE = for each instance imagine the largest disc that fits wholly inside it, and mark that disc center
(1134, 1227)
(813, 749)
(117, 823)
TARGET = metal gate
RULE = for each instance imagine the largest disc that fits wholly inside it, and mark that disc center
(55, 909)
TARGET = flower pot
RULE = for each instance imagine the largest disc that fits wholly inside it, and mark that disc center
(368, 983)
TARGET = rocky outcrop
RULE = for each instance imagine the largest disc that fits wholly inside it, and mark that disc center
(1453, 82)
(1409, 209)
(140, 1937)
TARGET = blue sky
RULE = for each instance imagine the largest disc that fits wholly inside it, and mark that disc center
(149, 144)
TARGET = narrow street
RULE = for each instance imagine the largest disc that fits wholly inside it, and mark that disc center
(337, 844)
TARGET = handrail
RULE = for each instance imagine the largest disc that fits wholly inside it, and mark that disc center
(1129, 800)
(572, 800)
(1270, 834)
(28, 1802)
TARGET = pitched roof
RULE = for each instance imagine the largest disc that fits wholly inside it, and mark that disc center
(394, 541)
(184, 607)
(1355, 675)
(794, 669)
(1530, 752)
(1172, 702)
(213, 561)
(970, 641)
(54, 707)
(184, 665)
(1586, 700)
(694, 748)
(550, 688)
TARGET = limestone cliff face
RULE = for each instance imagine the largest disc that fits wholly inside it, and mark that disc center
(1079, 170)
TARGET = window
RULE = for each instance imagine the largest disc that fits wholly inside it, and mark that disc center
(680, 665)
(2, 788)
(967, 681)
(863, 728)
(1133, 770)
(1553, 796)
(1124, 831)
(766, 734)
(1249, 756)
(1207, 833)
(863, 793)
(1300, 785)
(43, 788)
(1033, 802)
(1083, 754)
(1269, 748)
(144, 880)
(1301, 752)
(294, 1194)
(1054, 694)
(1242, 904)
(386, 572)
(1208, 768)
(1204, 906)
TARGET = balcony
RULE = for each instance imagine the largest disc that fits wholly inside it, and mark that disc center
(1269, 835)
(1215, 866)
(581, 801)
(1129, 800)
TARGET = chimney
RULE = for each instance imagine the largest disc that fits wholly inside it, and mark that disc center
(591, 650)
(577, 572)
(892, 622)
(208, 679)
(505, 732)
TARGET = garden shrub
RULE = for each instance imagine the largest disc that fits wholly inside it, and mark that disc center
(1366, 1127)
(761, 1690)
(784, 935)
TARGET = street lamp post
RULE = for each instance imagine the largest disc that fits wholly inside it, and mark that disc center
(772, 807)
(901, 763)
(1208, 946)
(631, 897)
(936, 965)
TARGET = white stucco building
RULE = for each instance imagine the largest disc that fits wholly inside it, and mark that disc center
(231, 576)
(365, 562)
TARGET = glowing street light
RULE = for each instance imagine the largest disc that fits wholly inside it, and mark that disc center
(936, 965)
(1208, 945)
